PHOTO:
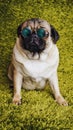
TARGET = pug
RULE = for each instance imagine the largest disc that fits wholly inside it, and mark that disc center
(35, 59)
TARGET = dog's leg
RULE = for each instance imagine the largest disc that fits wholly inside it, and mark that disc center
(10, 71)
(54, 85)
(17, 80)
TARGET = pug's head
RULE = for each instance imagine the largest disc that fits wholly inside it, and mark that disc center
(35, 33)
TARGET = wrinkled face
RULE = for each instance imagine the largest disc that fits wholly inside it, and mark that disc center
(34, 34)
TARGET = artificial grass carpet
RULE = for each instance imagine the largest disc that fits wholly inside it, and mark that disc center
(38, 111)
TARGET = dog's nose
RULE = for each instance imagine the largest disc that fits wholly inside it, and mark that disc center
(34, 36)
(34, 41)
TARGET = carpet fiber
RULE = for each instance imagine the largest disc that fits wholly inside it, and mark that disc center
(38, 111)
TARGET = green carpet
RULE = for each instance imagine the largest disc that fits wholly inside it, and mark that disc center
(38, 111)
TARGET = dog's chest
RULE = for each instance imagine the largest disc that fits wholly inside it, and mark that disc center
(37, 68)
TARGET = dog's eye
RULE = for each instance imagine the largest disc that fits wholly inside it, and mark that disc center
(26, 32)
(41, 33)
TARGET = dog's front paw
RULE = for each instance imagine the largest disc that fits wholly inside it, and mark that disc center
(17, 99)
(60, 100)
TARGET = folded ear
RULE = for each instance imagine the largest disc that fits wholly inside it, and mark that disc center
(19, 30)
(54, 34)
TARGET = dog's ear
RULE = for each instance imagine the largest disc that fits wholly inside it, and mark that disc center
(24, 24)
(54, 34)
(19, 30)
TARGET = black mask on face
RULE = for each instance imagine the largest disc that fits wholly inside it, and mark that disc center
(33, 41)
